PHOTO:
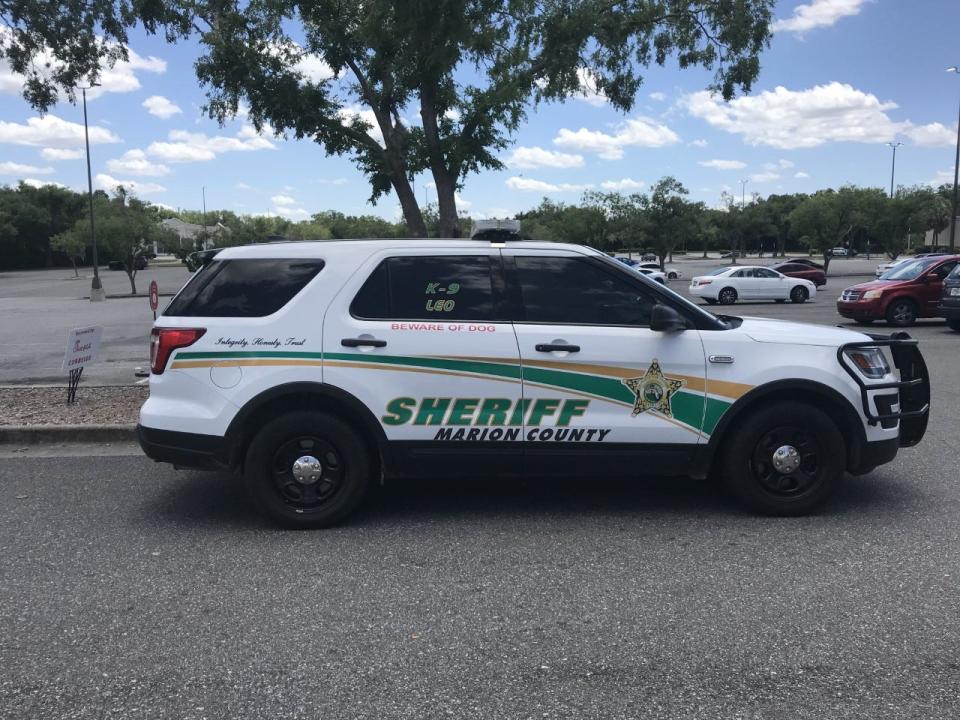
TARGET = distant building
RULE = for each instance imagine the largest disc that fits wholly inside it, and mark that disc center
(189, 232)
(941, 239)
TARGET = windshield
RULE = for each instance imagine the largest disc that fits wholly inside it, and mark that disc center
(719, 271)
(909, 270)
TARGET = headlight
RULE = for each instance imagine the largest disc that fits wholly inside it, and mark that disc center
(872, 294)
(870, 361)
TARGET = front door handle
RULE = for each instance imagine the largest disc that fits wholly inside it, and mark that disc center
(363, 342)
(557, 347)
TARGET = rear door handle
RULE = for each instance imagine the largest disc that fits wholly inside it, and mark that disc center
(363, 342)
(551, 347)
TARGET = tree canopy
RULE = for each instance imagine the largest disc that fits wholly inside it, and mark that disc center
(403, 87)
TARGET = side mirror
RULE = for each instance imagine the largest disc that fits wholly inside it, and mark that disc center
(664, 318)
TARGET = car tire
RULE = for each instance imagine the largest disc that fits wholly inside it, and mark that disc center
(749, 468)
(727, 296)
(322, 496)
(954, 325)
(902, 312)
(661, 281)
(672, 276)
(799, 294)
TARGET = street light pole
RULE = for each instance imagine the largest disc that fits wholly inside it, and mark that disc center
(956, 169)
(893, 165)
(743, 193)
(96, 289)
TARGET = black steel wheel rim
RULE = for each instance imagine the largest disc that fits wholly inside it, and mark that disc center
(787, 485)
(303, 496)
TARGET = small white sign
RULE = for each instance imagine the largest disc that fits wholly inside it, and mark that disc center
(83, 344)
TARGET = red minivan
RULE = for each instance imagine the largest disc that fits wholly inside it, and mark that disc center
(904, 293)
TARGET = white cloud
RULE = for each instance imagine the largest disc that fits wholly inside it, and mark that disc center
(292, 213)
(640, 131)
(159, 106)
(530, 185)
(122, 77)
(588, 89)
(347, 114)
(33, 182)
(789, 119)
(658, 96)
(103, 181)
(462, 204)
(699, 142)
(526, 158)
(932, 134)
(816, 14)
(623, 184)
(197, 147)
(12, 168)
(243, 186)
(135, 162)
(785, 164)
(51, 131)
(55, 154)
(723, 164)
(284, 200)
(764, 177)
(943, 177)
(801, 175)
(334, 181)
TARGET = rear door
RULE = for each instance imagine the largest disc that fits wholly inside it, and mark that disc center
(604, 393)
(932, 288)
(422, 339)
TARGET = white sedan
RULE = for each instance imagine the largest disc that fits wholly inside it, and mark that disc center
(670, 272)
(726, 285)
(660, 277)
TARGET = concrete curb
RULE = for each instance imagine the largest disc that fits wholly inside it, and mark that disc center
(38, 434)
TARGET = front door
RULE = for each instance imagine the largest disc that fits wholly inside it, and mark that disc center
(423, 341)
(769, 285)
(602, 389)
(932, 288)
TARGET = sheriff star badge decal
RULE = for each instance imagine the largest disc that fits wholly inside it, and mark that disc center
(653, 391)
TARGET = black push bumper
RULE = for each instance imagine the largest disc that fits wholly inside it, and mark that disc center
(913, 387)
(192, 450)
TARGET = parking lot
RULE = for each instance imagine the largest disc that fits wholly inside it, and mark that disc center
(132, 590)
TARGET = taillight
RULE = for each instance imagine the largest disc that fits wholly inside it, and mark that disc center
(164, 341)
(704, 282)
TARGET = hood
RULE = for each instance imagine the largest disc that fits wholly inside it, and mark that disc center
(794, 333)
(877, 285)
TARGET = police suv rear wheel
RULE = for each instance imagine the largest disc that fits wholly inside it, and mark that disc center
(785, 459)
(307, 469)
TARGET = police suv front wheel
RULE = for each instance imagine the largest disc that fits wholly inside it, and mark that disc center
(307, 469)
(785, 459)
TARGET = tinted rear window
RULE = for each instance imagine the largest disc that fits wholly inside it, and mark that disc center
(243, 288)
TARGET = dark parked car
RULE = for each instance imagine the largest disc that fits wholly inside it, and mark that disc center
(801, 270)
(200, 258)
(139, 264)
(904, 293)
(950, 299)
(805, 261)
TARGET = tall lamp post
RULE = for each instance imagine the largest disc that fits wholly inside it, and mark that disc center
(96, 289)
(893, 164)
(743, 193)
(956, 169)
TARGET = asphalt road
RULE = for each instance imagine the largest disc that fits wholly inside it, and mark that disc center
(131, 590)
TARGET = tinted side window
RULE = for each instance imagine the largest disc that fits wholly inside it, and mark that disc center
(243, 288)
(576, 291)
(764, 273)
(428, 288)
(944, 270)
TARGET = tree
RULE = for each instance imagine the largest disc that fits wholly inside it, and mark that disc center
(350, 75)
(72, 244)
(821, 222)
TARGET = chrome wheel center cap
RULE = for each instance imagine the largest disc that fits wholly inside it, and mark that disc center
(786, 459)
(307, 470)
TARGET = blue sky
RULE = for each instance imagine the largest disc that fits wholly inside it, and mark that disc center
(841, 78)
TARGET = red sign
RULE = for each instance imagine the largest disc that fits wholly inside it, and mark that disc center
(154, 295)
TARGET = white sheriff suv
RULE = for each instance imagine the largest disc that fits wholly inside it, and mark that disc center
(318, 369)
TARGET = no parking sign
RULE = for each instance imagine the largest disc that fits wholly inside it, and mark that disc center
(154, 298)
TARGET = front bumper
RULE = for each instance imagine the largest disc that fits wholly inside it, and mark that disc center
(862, 310)
(949, 308)
(191, 450)
(913, 387)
